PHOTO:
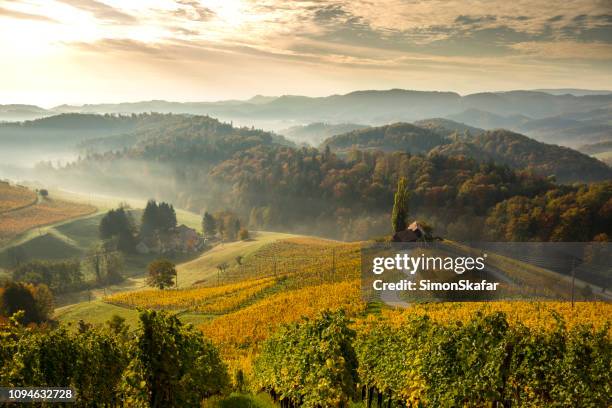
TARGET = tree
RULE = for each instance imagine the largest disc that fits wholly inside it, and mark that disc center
(157, 217)
(148, 223)
(209, 226)
(221, 268)
(166, 216)
(243, 234)
(15, 297)
(399, 214)
(59, 276)
(161, 273)
(43, 297)
(107, 264)
(118, 224)
(116, 324)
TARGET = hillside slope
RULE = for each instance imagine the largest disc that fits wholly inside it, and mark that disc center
(24, 211)
(440, 136)
(398, 136)
(521, 152)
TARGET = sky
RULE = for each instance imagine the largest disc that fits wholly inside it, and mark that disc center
(94, 51)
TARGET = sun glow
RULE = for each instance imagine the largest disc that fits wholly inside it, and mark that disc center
(230, 12)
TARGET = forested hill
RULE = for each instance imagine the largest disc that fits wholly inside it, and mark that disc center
(450, 138)
(395, 137)
(447, 127)
(71, 128)
(169, 160)
(206, 165)
(521, 152)
(191, 135)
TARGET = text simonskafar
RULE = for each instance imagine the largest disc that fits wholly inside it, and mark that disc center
(428, 285)
(409, 265)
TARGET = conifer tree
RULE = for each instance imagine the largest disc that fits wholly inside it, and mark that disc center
(400, 206)
(209, 226)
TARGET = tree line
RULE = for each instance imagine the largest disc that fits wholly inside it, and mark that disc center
(271, 185)
(224, 224)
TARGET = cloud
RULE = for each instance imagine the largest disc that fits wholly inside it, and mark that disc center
(474, 20)
(572, 50)
(479, 41)
(4, 12)
(124, 45)
(193, 10)
(101, 11)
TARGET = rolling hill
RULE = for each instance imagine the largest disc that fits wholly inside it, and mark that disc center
(20, 112)
(398, 136)
(570, 129)
(435, 136)
(24, 210)
(521, 152)
(446, 127)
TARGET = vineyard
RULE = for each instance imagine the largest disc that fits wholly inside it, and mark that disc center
(14, 197)
(205, 299)
(533, 315)
(247, 327)
(483, 361)
(306, 260)
(433, 354)
(46, 212)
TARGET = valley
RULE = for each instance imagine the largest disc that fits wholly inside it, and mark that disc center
(240, 238)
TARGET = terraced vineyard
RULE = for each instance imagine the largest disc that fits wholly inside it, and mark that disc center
(247, 327)
(279, 282)
(204, 300)
(534, 315)
(14, 197)
(25, 212)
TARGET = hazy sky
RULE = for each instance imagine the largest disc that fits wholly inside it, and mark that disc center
(87, 51)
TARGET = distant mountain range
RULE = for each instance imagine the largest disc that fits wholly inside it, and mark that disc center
(570, 117)
(570, 129)
(573, 91)
(72, 133)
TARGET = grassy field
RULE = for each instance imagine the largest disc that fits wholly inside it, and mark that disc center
(106, 202)
(241, 289)
(98, 312)
(74, 237)
(204, 268)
